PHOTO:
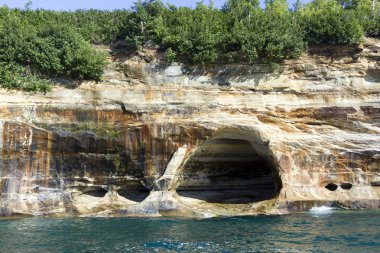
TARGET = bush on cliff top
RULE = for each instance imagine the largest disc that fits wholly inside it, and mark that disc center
(244, 31)
(328, 22)
(29, 53)
(14, 76)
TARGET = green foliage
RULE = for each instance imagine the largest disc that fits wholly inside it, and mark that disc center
(284, 36)
(44, 49)
(14, 76)
(195, 35)
(96, 26)
(326, 21)
(61, 51)
(143, 23)
(36, 45)
(169, 55)
(270, 35)
(368, 15)
(243, 31)
(374, 29)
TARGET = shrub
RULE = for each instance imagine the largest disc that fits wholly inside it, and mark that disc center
(326, 21)
(268, 35)
(43, 48)
(169, 55)
(14, 76)
(196, 35)
(61, 51)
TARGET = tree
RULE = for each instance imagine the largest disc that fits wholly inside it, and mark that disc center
(144, 22)
(28, 5)
(326, 21)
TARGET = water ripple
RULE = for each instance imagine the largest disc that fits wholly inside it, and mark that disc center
(340, 231)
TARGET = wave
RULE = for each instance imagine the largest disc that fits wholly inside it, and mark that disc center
(321, 209)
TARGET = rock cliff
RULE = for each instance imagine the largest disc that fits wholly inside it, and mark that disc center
(153, 140)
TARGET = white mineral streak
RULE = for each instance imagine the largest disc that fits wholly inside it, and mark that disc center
(1, 134)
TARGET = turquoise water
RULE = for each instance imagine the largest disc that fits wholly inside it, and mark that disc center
(325, 231)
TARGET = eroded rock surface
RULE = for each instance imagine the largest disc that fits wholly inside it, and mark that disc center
(155, 140)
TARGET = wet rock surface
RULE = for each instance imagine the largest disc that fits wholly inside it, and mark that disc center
(185, 145)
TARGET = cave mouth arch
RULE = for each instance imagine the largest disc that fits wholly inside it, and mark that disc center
(231, 170)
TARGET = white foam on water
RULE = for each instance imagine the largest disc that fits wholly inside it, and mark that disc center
(321, 210)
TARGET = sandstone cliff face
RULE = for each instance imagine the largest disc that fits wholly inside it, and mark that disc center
(156, 140)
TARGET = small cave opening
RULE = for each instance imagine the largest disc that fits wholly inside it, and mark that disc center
(99, 193)
(331, 187)
(137, 195)
(133, 190)
(346, 186)
(230, 171)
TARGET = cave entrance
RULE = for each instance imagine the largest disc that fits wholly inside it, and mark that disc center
(229, 170)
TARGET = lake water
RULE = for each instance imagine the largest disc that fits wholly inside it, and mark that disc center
(322, 230)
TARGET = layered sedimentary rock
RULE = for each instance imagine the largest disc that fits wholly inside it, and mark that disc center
(177, 140)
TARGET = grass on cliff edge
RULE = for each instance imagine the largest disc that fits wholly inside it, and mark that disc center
(37, 46)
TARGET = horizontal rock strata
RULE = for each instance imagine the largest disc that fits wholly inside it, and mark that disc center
(155, 140)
